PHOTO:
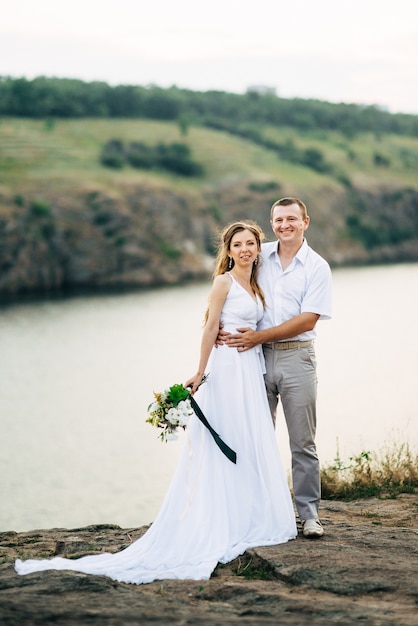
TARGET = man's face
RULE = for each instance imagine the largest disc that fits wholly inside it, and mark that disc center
(288, 224)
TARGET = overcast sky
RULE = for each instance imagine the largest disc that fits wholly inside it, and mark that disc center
(363, 51)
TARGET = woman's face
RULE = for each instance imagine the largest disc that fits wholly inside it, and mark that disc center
(243, 248)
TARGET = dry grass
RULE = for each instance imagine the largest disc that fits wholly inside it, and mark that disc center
(385, 474)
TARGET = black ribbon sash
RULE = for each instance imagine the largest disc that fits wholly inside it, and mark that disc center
(228, 452)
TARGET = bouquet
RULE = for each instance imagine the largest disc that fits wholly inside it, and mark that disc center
(171, 409)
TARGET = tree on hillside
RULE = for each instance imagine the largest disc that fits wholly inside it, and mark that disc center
(63, 97)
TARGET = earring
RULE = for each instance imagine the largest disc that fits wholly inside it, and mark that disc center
(230, 263)
(256, 260)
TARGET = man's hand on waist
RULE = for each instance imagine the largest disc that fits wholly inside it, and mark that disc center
(245, 340)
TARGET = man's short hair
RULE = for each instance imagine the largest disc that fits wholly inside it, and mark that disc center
(288, 202)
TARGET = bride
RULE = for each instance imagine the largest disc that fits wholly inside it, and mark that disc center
(214, 509)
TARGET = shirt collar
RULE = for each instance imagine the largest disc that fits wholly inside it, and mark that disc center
(302, 253)
(300, 256)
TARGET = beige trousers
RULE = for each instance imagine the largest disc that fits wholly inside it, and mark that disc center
(291, 378)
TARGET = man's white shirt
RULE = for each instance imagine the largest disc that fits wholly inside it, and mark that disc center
(303, 287)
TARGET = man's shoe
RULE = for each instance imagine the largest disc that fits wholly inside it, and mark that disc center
(312, 528)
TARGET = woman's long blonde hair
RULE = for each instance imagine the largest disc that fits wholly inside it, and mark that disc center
(223, 259)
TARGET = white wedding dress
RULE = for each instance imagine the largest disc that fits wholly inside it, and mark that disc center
(214, 510)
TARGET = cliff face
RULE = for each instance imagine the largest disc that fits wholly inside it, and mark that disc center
(93, 239)
(362, 571)
(144, 235)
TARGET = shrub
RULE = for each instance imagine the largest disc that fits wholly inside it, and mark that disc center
(176, 157)
(314, 159)
(264, 186)
(113, 154)
(102, 218)
(169, 251)
(393, 471)
(40, 208)
(19, 200)
(380, 160)
(141, 155)
(215, 211)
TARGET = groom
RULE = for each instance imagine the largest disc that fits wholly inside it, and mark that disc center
(297, 287)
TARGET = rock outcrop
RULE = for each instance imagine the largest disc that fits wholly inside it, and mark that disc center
(364, 570)
(90, 238)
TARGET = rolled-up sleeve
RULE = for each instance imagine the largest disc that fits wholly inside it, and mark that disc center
(318, 296)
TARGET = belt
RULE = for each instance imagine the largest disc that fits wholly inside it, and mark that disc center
(288, 345)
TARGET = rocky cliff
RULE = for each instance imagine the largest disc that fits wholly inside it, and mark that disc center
(364, 570)
(92, 239)
(62, 238)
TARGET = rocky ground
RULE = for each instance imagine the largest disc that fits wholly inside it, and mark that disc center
(364, 570)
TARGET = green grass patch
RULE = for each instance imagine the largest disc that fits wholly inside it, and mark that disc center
(253, 568)
(70, 148)
(386, 474)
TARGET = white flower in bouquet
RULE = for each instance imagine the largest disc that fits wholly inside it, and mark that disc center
(173, 416)
(171, 409)
(153, 407)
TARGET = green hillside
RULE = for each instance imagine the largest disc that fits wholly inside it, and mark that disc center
(89, 225)
(68, 149)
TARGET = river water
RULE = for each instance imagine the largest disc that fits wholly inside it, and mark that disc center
(77, 375)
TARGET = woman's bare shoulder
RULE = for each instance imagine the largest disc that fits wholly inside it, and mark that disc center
(223, 279)
(221, 285)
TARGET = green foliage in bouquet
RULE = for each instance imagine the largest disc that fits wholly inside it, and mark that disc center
(177, 393)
